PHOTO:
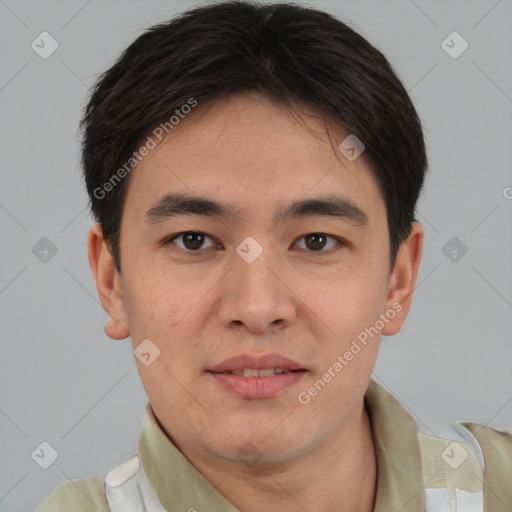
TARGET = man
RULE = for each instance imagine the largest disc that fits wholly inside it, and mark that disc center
(254, 171)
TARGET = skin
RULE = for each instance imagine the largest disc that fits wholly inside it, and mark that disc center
(202, 307)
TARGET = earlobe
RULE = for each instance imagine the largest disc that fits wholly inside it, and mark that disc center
(108, 284)
(114, 330)
(403, 279)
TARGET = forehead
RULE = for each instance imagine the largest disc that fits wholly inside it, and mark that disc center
(251, 152)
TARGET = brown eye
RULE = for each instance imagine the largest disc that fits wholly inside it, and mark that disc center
(317, 242)
(191, 240)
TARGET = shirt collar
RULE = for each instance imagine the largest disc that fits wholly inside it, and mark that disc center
(180, 486)
(400, 484)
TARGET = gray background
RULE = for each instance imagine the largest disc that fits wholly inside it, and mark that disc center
(63, 381)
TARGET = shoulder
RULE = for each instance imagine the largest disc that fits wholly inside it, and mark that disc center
(493, 442)
(496, 446)
(86, 495)
(473, 462)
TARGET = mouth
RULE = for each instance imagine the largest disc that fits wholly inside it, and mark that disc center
(255, 372)
(257, 377)
(251, 366)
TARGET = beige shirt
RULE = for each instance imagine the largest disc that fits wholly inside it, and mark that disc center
(401, 475)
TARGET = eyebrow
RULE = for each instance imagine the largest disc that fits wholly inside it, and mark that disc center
(178, 204)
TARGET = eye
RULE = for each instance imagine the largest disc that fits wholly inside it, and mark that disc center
(318, 241)
(191, 240)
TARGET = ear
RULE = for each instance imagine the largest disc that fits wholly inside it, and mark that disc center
(108, 283)
(403, 278)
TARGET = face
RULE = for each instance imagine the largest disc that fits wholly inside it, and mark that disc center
(229, 293)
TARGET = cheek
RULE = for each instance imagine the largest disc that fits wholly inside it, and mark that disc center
(349, 311)
(152, 306)
(170, 313)
(348, 300)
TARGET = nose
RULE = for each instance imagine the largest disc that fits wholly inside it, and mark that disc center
(257, 296)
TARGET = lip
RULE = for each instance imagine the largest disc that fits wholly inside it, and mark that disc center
(257, 362)
(257, 387)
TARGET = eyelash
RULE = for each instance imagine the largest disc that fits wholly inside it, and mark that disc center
(171, 239)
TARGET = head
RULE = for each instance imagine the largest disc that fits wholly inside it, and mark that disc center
(234, 219)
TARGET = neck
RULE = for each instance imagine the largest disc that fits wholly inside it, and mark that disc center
(338, 475)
